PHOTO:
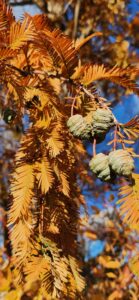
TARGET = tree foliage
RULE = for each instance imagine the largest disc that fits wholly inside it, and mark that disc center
(46, 80)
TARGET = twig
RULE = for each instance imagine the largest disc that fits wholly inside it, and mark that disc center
(94, 148)
(41, 218)
(115, 137)
(76, 18)
(72, 107)
(23, 73)
(26, 2)
(67, 5)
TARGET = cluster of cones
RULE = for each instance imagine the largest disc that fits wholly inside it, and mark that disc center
(117, 163)
(95, 126)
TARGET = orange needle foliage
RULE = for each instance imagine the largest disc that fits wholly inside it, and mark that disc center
(43, 77)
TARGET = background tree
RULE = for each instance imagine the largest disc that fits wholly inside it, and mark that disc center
(46, 79)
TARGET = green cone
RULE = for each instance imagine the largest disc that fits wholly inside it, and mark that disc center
(102, 121)
(99, 165)
(121, 162)
(79, 127)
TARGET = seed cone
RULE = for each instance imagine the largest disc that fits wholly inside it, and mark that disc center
(79, 127)
(102, 121)
(121, 162)
(99, 165)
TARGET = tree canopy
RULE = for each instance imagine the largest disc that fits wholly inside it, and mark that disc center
(62, 73)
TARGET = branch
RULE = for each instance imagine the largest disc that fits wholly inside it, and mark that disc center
(76, 18)
(26, 2)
